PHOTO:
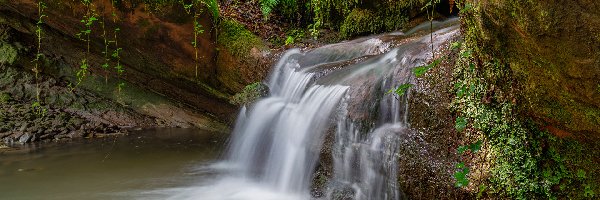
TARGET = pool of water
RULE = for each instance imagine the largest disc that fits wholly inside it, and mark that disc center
(143, 165)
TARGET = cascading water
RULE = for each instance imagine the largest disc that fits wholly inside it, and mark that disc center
(279, 143)
(338, 89)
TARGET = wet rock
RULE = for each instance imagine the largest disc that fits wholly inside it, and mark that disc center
(23, 126)
(25, 138)
(76, 134)
(60, 137)
(46, 136)
(70, 127)
(33, 129)
(3, 135)
(16, 135)
(34, 137)
(8, 140)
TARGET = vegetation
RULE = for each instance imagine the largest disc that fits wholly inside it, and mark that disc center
(461, 175)
(350, 17)
(250, 94)
(508, 142)
(526, 161)
(400, 90)
(8, 52)
(360, 22)
(238, 40)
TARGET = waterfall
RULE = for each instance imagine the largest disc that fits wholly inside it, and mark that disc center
(336, 89)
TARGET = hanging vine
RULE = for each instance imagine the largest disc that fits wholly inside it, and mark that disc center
(36, 105)
(116, 52)
(88, 21)
(430, 10)
(197, 31)
(195, 8)
(38, 55)
(105, 53)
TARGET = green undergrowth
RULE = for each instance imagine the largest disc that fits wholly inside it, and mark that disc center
(525, 160)
(360, 22)
(351, 17)
(8, 51)
(373, 17)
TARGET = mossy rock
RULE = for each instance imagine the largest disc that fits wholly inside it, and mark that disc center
(360, 22)
(553, 50)
(535, 72)
(236, 39)
(250, 94)
(241, 57)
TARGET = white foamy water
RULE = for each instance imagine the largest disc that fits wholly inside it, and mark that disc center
(278, 140)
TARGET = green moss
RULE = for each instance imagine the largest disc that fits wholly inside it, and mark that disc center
(236, 39)
(532, 39)
(8, 54)
(360, 22)
(4, 97)
(526, 161)
(250, 94)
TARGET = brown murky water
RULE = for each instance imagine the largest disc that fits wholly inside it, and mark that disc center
(128, 167)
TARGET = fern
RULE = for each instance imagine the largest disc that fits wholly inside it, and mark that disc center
(267, 6)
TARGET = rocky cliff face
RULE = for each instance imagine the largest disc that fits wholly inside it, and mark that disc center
(157, 54)
(553, 50)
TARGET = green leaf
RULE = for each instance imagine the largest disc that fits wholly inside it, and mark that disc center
(475, 147)
(461, 123)
(460, 165)
(466, 54)
(461, 89)
(419, 71)
(588, 191)
(289, 40)
(400, 90)
(461, 177)
(455, 45)
(482, 189)
(581, 174)
(462, 149)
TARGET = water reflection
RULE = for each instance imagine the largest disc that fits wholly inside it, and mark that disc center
(109, 168)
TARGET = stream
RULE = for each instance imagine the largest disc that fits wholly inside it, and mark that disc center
(135, 166)
(335, 95)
